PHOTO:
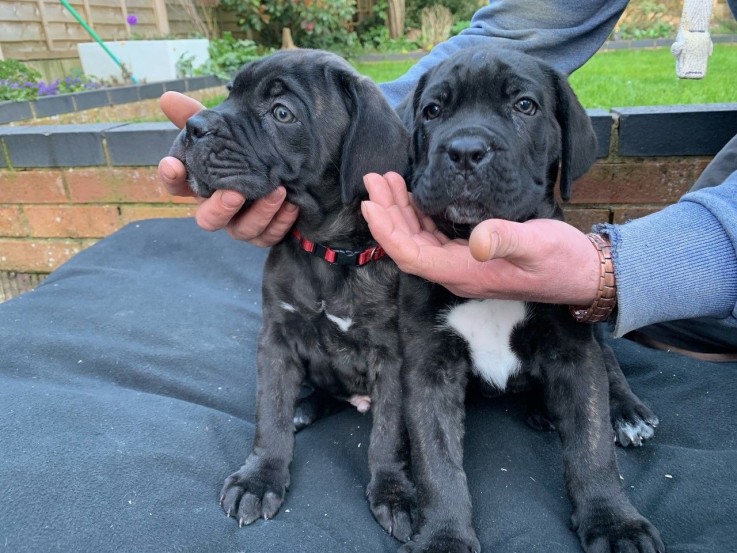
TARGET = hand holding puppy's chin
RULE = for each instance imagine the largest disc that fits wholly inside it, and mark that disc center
(558, 260)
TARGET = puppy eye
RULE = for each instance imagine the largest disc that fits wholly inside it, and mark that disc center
(431, 111)
(526, 106)
(282, 114)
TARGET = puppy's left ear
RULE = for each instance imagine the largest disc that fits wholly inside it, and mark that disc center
(578, 141)
(376, 140)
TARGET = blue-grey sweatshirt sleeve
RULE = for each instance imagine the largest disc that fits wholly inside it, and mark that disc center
(564, 33)
(680, 262)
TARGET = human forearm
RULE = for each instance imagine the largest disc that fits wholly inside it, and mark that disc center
(678, 263)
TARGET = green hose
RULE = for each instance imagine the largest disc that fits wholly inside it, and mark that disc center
(126, 74)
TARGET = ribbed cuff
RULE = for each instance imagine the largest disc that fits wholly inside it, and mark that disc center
(678, 263)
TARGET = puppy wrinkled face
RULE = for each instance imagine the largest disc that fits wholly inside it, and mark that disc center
(485, 135)
(263, 134)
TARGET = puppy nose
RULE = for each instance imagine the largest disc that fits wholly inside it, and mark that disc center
(198, 126)
(467, 152)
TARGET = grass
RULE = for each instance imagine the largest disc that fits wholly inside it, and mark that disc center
(383, 71)
(622, 78)
(647, 77)
(617, 78)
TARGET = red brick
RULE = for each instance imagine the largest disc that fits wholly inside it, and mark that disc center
(21, 187)
(627, 213)
(583, 219)
(115, 185)
(72, 221)
(650, 182)
(11, 222)
(138, 213)
(186, 200)
(37, 256)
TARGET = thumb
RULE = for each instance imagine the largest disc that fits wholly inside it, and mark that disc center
(494, 239)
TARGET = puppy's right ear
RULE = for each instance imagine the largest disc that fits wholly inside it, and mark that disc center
(376, 140)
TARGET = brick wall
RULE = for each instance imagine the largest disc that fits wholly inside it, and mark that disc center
(648, 158)
(47, 216)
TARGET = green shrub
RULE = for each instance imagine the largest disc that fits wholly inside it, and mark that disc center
(326, 24)
(461, 9)
(227, 55)
(646, 19)
(20, 82)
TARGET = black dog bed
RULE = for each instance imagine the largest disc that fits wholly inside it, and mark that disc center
(127, 395)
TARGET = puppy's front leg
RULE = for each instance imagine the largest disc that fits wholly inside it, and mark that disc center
(390, 493)
(577, 391)
(632, 420)
(434, 387)
(257, 489)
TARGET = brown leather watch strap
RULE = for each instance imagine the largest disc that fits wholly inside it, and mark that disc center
(606, 298)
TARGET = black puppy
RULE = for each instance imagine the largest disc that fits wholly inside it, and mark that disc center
(307, 120)
(490, 130)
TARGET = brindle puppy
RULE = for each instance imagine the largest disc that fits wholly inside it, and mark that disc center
(307, 120)
(490, 129)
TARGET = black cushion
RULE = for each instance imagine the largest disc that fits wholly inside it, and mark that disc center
(127, 395)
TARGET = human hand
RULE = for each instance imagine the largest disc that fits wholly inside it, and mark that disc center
(540, 260)
(264, 223)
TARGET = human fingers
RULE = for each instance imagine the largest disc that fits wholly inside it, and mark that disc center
(389, 191)
(419, 253)
(173, 174)
(393, 237)
(266, 222)
(178, 107)
(215, 212)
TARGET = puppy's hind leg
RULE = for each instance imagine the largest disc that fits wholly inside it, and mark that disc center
(632, 420)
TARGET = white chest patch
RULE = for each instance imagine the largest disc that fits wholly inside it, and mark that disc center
(487, 325)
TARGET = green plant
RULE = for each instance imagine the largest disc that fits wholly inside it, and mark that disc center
(185, 66)
(459, 26)
(657, 29)
(18, 81)
(227, 55)
(646, 19)
(314, 23)
(461, 9)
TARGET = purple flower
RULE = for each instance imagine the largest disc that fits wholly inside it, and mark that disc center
(50, 89)
(132, 19)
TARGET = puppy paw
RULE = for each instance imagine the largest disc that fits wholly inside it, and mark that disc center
(633, 422)
(608, 531)
(256, 490)
(443, 541)
(391, 498)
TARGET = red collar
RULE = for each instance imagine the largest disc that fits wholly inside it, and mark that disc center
(339, 257)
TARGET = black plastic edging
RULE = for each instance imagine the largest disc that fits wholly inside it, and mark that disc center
(80, 101)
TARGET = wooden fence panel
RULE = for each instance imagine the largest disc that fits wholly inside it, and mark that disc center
(44, 29)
